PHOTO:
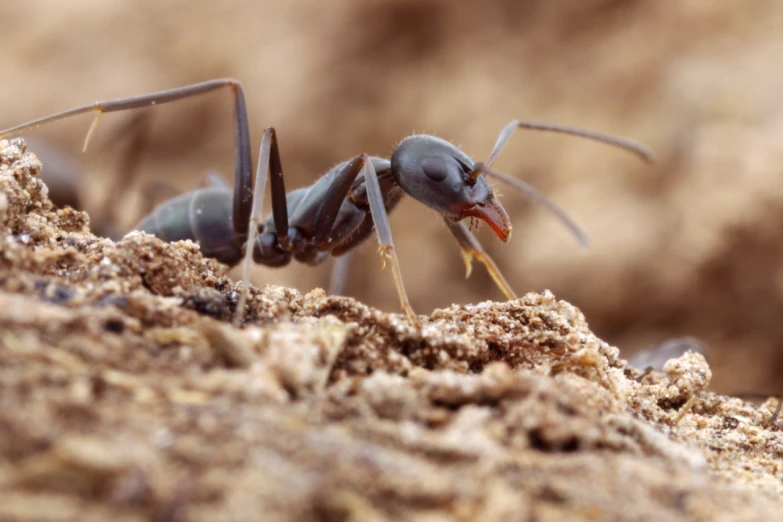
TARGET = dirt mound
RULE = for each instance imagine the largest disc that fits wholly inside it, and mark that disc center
(688, 247)
(125, 394)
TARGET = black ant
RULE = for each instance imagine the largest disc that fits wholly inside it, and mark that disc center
(341, 209)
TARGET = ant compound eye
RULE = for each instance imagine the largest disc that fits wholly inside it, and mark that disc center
(435, 167)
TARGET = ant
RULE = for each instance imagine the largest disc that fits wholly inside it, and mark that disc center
(343, 207)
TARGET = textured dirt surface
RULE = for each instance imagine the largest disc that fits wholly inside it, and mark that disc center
(125, 394)
(690, 247)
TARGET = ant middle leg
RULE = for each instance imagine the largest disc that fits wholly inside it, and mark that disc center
(339, 274)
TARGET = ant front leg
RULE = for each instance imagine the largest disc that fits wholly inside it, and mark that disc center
(471, 248)
(383, 230)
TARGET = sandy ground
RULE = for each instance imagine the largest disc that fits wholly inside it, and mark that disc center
(689, 247)
(126, 394)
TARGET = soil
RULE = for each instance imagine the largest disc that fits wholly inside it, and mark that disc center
(126, 393)
(690, 247)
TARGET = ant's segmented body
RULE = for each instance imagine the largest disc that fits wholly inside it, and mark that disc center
(343, 207)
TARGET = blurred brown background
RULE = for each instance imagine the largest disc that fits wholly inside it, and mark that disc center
(691, 246)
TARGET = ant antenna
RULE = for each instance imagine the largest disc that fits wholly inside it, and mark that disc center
(534, 194)
(633, 147)
(538, 197)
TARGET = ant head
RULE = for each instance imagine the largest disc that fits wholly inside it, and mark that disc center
(438, 174)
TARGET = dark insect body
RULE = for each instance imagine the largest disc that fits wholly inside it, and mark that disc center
(343, 207)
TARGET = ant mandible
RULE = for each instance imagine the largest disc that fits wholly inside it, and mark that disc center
(341, 209)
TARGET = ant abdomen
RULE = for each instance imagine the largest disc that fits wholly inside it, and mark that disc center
(207, 216)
